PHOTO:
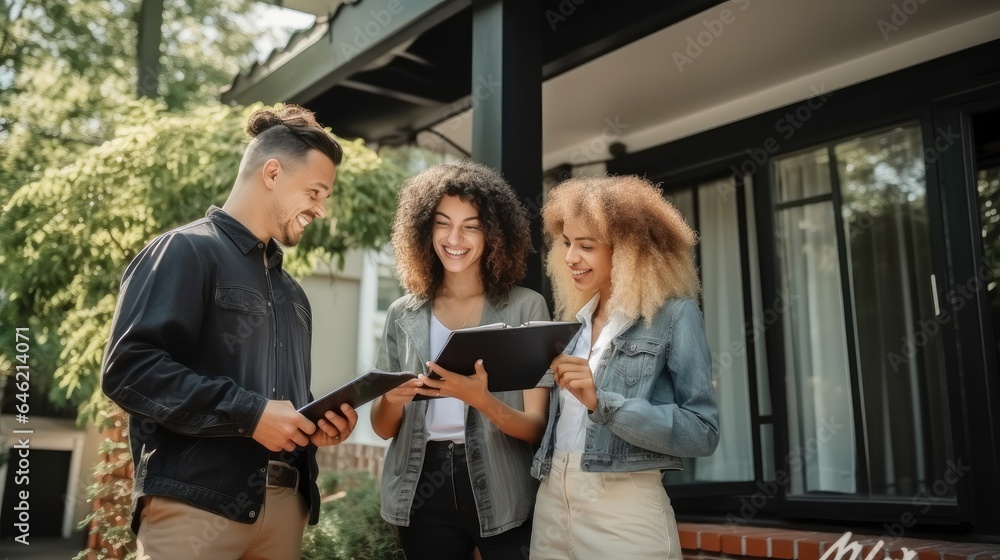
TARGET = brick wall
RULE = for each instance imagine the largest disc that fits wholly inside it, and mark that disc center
(120, 506)
(351, 457)
(702, 541)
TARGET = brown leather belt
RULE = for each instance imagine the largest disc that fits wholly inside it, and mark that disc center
(282, 474)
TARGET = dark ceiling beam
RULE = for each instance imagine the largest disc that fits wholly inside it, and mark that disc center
(418, 59)
(387, 92)
(448, 141)
(406, 76)
(443, 113)
(357, 38)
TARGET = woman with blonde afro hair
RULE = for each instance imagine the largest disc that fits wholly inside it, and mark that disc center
(456, 475)
(653, 247)
(635, 393)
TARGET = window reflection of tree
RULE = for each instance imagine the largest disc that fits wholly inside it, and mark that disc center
(986, 141)
(884, 206)
(988, 188)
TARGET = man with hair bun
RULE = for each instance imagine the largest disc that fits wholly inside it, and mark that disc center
(209, 354)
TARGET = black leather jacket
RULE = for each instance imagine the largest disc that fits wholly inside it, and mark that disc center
(203, 334)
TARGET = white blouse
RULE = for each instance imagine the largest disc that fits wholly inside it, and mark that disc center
(446, 415)
(571, 428)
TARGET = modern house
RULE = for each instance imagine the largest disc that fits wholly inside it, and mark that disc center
(841, 162)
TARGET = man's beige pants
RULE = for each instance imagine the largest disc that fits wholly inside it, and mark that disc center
(170, 529)
(591, 515)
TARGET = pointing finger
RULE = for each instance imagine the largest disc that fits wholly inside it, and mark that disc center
(440, 370)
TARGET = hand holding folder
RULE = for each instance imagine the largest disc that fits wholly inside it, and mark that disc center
(516, 358)
(358, 392)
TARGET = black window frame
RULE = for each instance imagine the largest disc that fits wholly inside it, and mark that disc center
(691, 182)
(929, 94)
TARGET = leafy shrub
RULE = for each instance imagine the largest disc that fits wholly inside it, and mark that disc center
(350, 528)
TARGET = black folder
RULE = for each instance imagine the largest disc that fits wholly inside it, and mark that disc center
(515, 358)
(360, 391)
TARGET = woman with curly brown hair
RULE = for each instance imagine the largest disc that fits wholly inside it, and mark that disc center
(635, 395)
(456, 475)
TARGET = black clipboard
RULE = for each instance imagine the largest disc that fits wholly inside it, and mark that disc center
(359, 391)
(515, 358)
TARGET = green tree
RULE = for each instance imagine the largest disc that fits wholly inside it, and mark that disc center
(68, 68)
(89, 175)
(68, 74)
(66, 238)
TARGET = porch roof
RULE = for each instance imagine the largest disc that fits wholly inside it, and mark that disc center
(643, 73)
(384, 70)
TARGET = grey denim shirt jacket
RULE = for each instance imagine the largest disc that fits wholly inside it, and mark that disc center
(655, 399)
(499, 465)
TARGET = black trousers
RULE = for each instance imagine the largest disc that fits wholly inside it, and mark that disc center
(444, 523)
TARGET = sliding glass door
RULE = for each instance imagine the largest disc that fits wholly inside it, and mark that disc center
(865, 379)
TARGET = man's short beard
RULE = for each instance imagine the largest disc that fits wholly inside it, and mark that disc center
(286, 235)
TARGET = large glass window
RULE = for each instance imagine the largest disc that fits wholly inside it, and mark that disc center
(865, 381)
(987, 146)
(988, 191)
(818, 382)
(713, 209)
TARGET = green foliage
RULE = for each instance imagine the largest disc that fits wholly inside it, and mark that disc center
(88, 176)
(68, 68)
(66, 238)
(350, 527)
(113, 492)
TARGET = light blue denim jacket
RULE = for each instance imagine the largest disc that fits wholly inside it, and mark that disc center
(498, 464)
(655, 400)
